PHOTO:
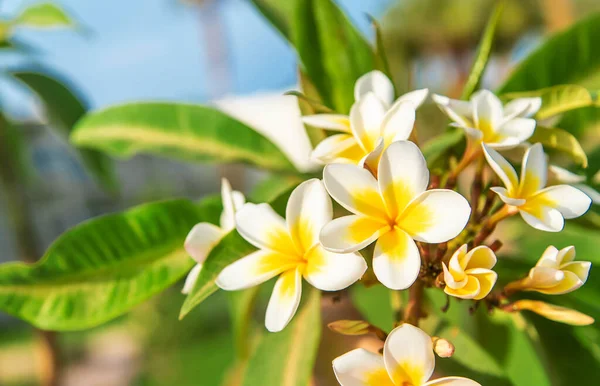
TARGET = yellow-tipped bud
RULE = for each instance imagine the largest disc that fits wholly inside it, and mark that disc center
(442, 347)
(552, 312)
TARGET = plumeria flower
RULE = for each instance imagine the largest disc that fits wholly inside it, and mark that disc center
(559, 175)
(394, 210)
(407, 360)
(469, 275)
(485, 120)
(555, 273)
(543, 208)
(374, 118)
(290, 248)
(204, 236)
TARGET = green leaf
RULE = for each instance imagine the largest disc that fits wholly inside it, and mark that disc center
(241, 304)
(332, 52)
(287, 358)
(44, 15)
(438, 147)
(278, 13)
(557, 99)
(568, 57)
(375, 304)
(64, 108)
(231, 248)
(483, 52)
(181, 131)
(381, 59)
(101, 268)
(560, 140)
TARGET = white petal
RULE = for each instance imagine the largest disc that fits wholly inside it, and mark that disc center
(354, 188)
(396, 260)
(308, 210)
(409, 348)
(565, 176)
(359, 367)
(435, 216)
(565, 255)
(470, 132)
(451, 281)
(458, 111)
(416, 97)
(505, 143)
(254, 269)
(335, 122)
(593, 194)
(403, 175)
(452, 381)
(284, 300)
(503, 194)
(377, 83)
(366, 118)
(351, 233)
(371, 160)
(569, 283)
(544, 218)
(488, 109)
(549, 258)
(232, 201)
(580, 268)
(191, 279)
(522, 107)
(330, 271)
(337, 146)
(501, 167)
(262, 227)
(480, 257)
(544, 277)
(518, 128)
(569, 201)
(398, 122)
(534, 171)
(201, 239)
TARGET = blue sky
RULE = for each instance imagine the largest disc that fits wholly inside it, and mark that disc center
(154, 49)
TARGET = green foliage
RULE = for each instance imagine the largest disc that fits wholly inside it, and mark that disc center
(101, 268)
(44, 15)
(181, 131)
(557, 99)
(557, 139)
(278, 13)
(483, 52)
(436, 150)
(64, 108)
(287, 358)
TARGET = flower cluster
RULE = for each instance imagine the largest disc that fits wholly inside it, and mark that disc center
(422, 228)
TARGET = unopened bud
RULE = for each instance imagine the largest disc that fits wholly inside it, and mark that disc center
(350, 327)
(442, 347)
(552, 312)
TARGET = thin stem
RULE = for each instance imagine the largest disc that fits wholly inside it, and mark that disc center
(472, 152)
(396, 303)
(414, 311)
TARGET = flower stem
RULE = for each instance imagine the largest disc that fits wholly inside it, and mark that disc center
(472, 152)
(414, 311)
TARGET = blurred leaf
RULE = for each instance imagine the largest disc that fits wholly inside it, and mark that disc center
(241, 304)
(231, 248)
(287, 358)
(332, 51)
(350, 327)
(381, 60)
(101, 268)
(581, 122)
(272, 187)
(181, 131)
(278, 13)
(483, 52)
(315, 135)
(557, 99)
(560, 140)
(316, 106)
(375, 304)
(64, 108)
(44, 15)
(568, 57)
(438, 147)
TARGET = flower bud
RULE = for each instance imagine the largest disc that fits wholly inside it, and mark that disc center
(552, 312)
(442, 347)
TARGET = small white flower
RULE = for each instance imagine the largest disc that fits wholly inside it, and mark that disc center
(555, 273)
(469, 275)
(485, 120)
(374, 118)
(204, 236)
(394, 210)
(290, 248)
(559, 175)
(543, 208)
(407, 360)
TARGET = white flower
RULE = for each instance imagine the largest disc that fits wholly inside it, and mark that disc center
(485, 120)
(543, 208)
(394, 210)
(204, 236)
(469, 275)
(555, 273)
(290, 248)
(563, 176)
(407, 360)
(373, 118)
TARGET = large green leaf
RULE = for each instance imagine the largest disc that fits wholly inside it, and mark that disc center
(231, 248)
(483, 52)
(64, 108)
(101, 268)
(557, 99)
(44, 15)
(278, 13)
(176, 130)
(569, 57)
(560, 140)
(287, 358)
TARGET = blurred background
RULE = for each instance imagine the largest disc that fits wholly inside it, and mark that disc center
(202, 51)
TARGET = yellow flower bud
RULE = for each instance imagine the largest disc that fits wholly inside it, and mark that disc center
(442, 347)
(552, 312)
(469, 275)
